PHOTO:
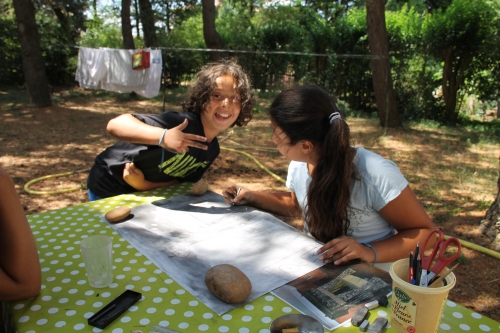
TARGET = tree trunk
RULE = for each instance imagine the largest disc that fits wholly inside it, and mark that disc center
(449, 86)
(31, 54)
(490, 225)
(137, 19)
(148, 23)
(381, 73)
(212, 37)
(64, 22)
(128, 39)
(453, 79)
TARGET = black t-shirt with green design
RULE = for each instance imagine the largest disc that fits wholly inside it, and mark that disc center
(106, 176)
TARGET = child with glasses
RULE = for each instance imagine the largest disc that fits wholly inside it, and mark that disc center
(157, 150)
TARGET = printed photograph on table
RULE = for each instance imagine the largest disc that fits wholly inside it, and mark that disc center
(332, 293)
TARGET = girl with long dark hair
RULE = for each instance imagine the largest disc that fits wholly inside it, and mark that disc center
(354, 201)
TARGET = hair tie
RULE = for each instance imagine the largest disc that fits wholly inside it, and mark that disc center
(334, 116)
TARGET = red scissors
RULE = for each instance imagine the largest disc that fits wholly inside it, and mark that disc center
(441, 261)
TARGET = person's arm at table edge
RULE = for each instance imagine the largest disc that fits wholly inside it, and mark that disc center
(133, 176)
(20, 273)
(408, 217)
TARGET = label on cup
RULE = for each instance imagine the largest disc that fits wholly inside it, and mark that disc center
(404, 310)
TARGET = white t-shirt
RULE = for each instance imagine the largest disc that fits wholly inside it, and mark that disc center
(378, 182)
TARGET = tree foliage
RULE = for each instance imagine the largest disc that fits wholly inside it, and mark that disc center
(459, 36)
(434, 45)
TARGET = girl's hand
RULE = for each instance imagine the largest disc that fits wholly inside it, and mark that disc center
(235, 195)
(179, 142)
(344, 249)
(133, 176)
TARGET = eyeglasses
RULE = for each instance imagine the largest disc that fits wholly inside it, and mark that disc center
(218, 97)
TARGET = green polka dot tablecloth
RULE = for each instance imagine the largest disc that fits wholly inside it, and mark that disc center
(67, 300)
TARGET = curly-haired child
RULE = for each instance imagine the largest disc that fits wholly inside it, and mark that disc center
(157, 150)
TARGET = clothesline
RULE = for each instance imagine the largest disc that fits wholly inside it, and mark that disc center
(337, 55)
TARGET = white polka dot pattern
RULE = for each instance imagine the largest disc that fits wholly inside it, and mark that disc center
(67, 300)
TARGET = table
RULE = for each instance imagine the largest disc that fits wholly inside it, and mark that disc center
(67, 300)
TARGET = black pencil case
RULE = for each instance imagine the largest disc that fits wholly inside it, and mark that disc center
(114, 309)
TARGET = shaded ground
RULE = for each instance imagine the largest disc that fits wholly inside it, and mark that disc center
(453, 179)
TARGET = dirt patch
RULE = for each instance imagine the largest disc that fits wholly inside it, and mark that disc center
(67, 137)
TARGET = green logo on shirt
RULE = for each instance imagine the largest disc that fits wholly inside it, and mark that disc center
(181, 165)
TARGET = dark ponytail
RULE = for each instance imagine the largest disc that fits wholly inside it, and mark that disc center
(302, 113)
